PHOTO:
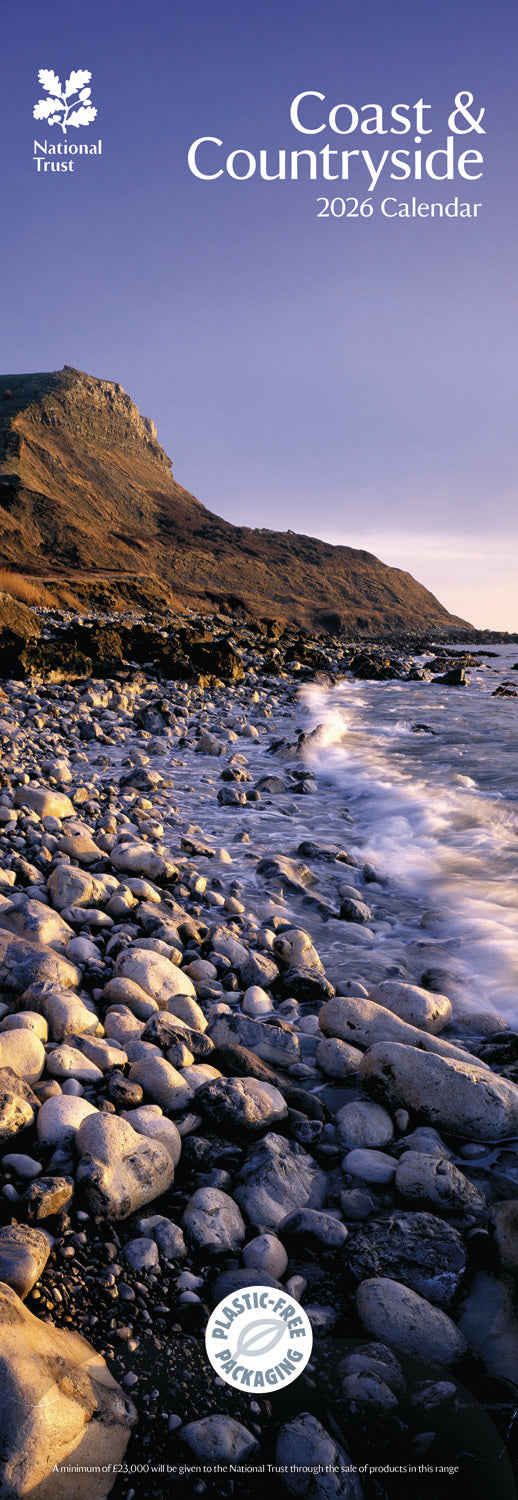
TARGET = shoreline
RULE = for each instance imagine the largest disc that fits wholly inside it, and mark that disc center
(131, 864)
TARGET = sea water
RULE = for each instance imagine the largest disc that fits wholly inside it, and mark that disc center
(428, 775)
(415, 779)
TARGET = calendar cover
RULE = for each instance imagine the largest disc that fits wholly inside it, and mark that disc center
(258, 692)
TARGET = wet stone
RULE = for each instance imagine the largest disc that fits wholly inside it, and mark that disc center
(316, 1466)
(366, 1388)
(374, 1167)
(374, 1359)
(141, 1254)
(505, 1218)
(219, 1439)
(23, 1166)
(274, 1044)
(363, 1124)
(276, 1179)
(164, 1030)
(419, 1007)
(487, 1319)
(125, 1091)
(454, 1095)
(431, 1394)
(424, 1139)
(303, 985)
(167, 1235)
(266, 1253)
(336, 1058)
(355, 1204)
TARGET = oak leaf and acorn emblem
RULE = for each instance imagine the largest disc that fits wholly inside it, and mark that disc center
(61, 107)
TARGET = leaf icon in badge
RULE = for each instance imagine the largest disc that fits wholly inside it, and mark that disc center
(260, 1337)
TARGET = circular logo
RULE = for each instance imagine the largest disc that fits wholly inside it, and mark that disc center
(258, 1339)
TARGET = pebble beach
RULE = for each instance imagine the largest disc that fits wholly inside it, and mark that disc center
(220, 1068)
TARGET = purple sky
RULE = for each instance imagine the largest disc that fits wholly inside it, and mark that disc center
(349, 378)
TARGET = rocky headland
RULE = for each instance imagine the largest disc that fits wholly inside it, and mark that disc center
(87, 497)
(205, 1083)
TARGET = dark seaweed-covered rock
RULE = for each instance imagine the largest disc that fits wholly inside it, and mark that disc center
(456, 677)
(304, 985)
(164, 1031)
(499, 1049)
(416, 1248)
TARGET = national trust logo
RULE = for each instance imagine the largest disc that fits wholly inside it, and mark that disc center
(258, 1341)
(66, 107)
(56, 108)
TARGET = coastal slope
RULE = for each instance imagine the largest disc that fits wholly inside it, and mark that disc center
(86, 491)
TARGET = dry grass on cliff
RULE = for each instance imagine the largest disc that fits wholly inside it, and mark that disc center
(35, 593)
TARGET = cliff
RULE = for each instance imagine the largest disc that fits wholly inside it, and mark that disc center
(86, 492)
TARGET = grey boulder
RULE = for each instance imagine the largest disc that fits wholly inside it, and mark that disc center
(436, 1181)
(422, 1008)
(364, 1124)
(408, 1322)
(274, 1043)
(364, 1024)
(213, 1222)
(219, 1439)
(316, 1466)
(277, 1178)
(457, 1096)
(167, 1235)
(310, 1227)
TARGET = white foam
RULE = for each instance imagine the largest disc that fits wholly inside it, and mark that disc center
(444, 841)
